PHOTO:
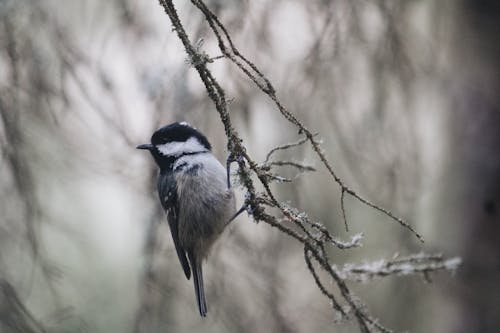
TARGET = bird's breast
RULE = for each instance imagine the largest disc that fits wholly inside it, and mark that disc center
(205, 202)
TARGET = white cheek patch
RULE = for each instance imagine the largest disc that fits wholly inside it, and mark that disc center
(177, 148)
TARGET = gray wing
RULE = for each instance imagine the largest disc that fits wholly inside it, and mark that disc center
(167, 190)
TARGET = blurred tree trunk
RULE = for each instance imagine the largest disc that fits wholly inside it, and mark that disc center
(475, 164)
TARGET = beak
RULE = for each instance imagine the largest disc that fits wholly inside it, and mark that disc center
(147, 146)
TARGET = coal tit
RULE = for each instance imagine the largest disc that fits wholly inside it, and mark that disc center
(193, 190)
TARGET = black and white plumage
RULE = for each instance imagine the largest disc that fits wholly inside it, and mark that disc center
(192, 186)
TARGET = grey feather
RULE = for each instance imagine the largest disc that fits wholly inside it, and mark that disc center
(168, 197)
(199, 289)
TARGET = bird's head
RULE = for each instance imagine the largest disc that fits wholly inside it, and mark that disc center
(175, 140)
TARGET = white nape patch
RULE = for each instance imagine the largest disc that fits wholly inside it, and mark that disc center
(185, 123)
(176, 148)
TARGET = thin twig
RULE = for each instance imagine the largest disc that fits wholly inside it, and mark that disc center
(342, 208)
(284, 147)
(296, 165)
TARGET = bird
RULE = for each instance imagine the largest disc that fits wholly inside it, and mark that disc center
(194, 191)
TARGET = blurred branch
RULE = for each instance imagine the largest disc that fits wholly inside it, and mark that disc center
(150, 278)
(314, 236)
(27, 94)
(13, 138)
(14, 314)
(415, 264)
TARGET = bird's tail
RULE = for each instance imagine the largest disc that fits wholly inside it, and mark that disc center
(198, 284)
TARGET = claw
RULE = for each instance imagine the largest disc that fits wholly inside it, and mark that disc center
(241, 210)
(230, 159)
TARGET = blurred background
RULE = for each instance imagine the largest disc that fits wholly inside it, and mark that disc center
(405, 96)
